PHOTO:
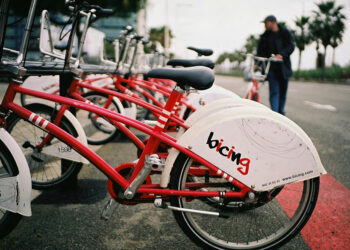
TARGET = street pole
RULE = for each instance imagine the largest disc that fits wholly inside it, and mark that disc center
(166, 30)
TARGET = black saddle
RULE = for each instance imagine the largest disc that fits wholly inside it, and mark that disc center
(198, 77)
(191, 63)
(201, 52)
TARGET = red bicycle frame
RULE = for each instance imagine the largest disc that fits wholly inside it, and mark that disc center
(157, 135)
(157, 111)
(139, 86)
(254, 89)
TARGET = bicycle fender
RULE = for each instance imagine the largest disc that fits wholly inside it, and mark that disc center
(69, 155)
(202, 98)
(131, 111)
(260, 148)
(218, 106)
(47, 84)
(120, 105)
(15, 192)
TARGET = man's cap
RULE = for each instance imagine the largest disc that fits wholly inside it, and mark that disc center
(270, 18)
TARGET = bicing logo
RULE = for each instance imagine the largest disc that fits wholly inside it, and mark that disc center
(229, 153)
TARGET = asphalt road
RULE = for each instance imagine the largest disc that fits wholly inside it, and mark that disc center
(69, 218)
(323, 111)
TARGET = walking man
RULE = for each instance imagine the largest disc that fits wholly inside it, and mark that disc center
(279, 41)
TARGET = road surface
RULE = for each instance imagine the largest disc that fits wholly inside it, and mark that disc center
(70, 218)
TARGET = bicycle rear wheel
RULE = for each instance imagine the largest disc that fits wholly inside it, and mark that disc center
(47, 171)
(8, 168)
(267, 224)
(98, 130)
(256, 97)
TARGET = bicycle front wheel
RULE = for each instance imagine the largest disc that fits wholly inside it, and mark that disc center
(46, 171)
(8, 168)
(97, 129)
(265, 225)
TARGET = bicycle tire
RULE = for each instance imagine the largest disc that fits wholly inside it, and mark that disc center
(8, 167)
(98, 133)
(23, 99)
(44, 170)
(141, 112)
(220, 233)
(256, 97)
(187, 113)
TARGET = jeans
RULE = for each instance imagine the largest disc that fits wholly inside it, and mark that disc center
(278, 91)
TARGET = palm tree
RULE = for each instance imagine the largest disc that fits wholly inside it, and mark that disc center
(338, 29)
(301, 36)
(324, 25)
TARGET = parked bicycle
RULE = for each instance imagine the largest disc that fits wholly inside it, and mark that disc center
(232, 170)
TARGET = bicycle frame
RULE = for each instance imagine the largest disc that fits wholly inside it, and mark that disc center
(75, 93)
(257, 78)
(253, 88)
(139, 86)
(157, 135)
(133, 83)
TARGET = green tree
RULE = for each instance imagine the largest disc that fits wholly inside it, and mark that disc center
(301, 35)
(251, 44)
(324, 26)
(337, 30)
(239, 57)
(222, 57)
(158, 35)
(236, 56)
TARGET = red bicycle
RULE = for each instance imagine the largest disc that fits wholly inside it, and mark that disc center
(214, 189)
(258, 70)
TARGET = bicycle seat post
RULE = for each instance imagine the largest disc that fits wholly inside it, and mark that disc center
(4, 7)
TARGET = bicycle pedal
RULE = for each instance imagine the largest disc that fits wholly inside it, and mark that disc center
(155, 161)
(108, 209)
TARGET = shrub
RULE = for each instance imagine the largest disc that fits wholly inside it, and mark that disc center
(334, 73)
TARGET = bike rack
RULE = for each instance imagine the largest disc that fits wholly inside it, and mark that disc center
(14, 60)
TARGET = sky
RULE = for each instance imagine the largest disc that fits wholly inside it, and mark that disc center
(224, 25)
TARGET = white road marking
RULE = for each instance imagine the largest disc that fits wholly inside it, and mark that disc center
(321, 106)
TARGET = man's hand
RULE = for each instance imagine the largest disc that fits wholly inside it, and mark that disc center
(279, 57)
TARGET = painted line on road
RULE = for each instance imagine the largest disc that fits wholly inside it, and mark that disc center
(329, 225)
(321, 106)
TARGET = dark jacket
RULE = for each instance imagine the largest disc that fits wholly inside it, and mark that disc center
(284, 45)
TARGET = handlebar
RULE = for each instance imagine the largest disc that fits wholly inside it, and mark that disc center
(272, 58)
(264, 64)
(101, 12)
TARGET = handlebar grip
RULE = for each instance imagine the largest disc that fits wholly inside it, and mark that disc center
(129, 29)
(105, 12)
(101, 12)
(276, 60)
